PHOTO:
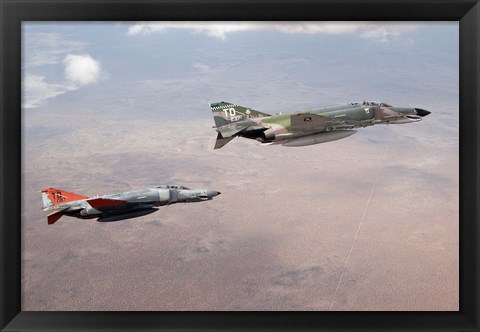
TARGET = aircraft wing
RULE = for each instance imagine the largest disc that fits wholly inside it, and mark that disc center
(101, 203)
(308, 122)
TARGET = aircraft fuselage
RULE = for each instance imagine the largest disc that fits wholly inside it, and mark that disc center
(58, 202)
(234, 120)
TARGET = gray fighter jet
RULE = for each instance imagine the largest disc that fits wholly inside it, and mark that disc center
(113, 207)
(306, 127)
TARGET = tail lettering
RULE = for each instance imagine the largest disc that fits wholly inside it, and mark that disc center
(225, 113)
(53, 196)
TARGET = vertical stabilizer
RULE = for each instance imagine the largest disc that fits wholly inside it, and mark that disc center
(231, 119)
(225, 113)
(53, 196)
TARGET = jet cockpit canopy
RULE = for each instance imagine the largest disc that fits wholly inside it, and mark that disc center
(372, 103)
(169, 186)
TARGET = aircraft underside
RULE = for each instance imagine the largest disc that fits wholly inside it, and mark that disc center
(299, 139)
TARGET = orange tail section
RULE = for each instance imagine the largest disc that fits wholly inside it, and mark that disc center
(58, 196)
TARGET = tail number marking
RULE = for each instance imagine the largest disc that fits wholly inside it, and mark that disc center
(58, 197)
(229, 112)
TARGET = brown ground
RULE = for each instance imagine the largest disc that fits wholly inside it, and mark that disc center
(282, 236)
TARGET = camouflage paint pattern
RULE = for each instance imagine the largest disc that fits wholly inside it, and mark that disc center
(233, 120)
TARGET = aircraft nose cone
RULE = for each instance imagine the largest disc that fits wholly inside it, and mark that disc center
(422, 112)
(212, 193)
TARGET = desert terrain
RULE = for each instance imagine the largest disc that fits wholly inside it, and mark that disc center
(369, 222)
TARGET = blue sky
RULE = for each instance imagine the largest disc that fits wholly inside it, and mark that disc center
(176, 68)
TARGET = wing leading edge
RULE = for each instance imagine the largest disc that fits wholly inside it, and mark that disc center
(101, 203)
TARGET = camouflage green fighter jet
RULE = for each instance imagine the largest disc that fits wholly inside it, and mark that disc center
(306, 127)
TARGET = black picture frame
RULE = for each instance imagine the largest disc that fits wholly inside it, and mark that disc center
(13, 12)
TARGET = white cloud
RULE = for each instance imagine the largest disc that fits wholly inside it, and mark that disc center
(81, 69)
(373, 30)
(36, 90)
(42, 48)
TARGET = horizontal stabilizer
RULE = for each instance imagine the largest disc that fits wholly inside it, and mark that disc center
(53, 217)
(231, 130)
(100, 203)
(221, 141)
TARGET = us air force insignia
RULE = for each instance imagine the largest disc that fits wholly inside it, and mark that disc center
(367, 110)
(248, 111)
(307, 119)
